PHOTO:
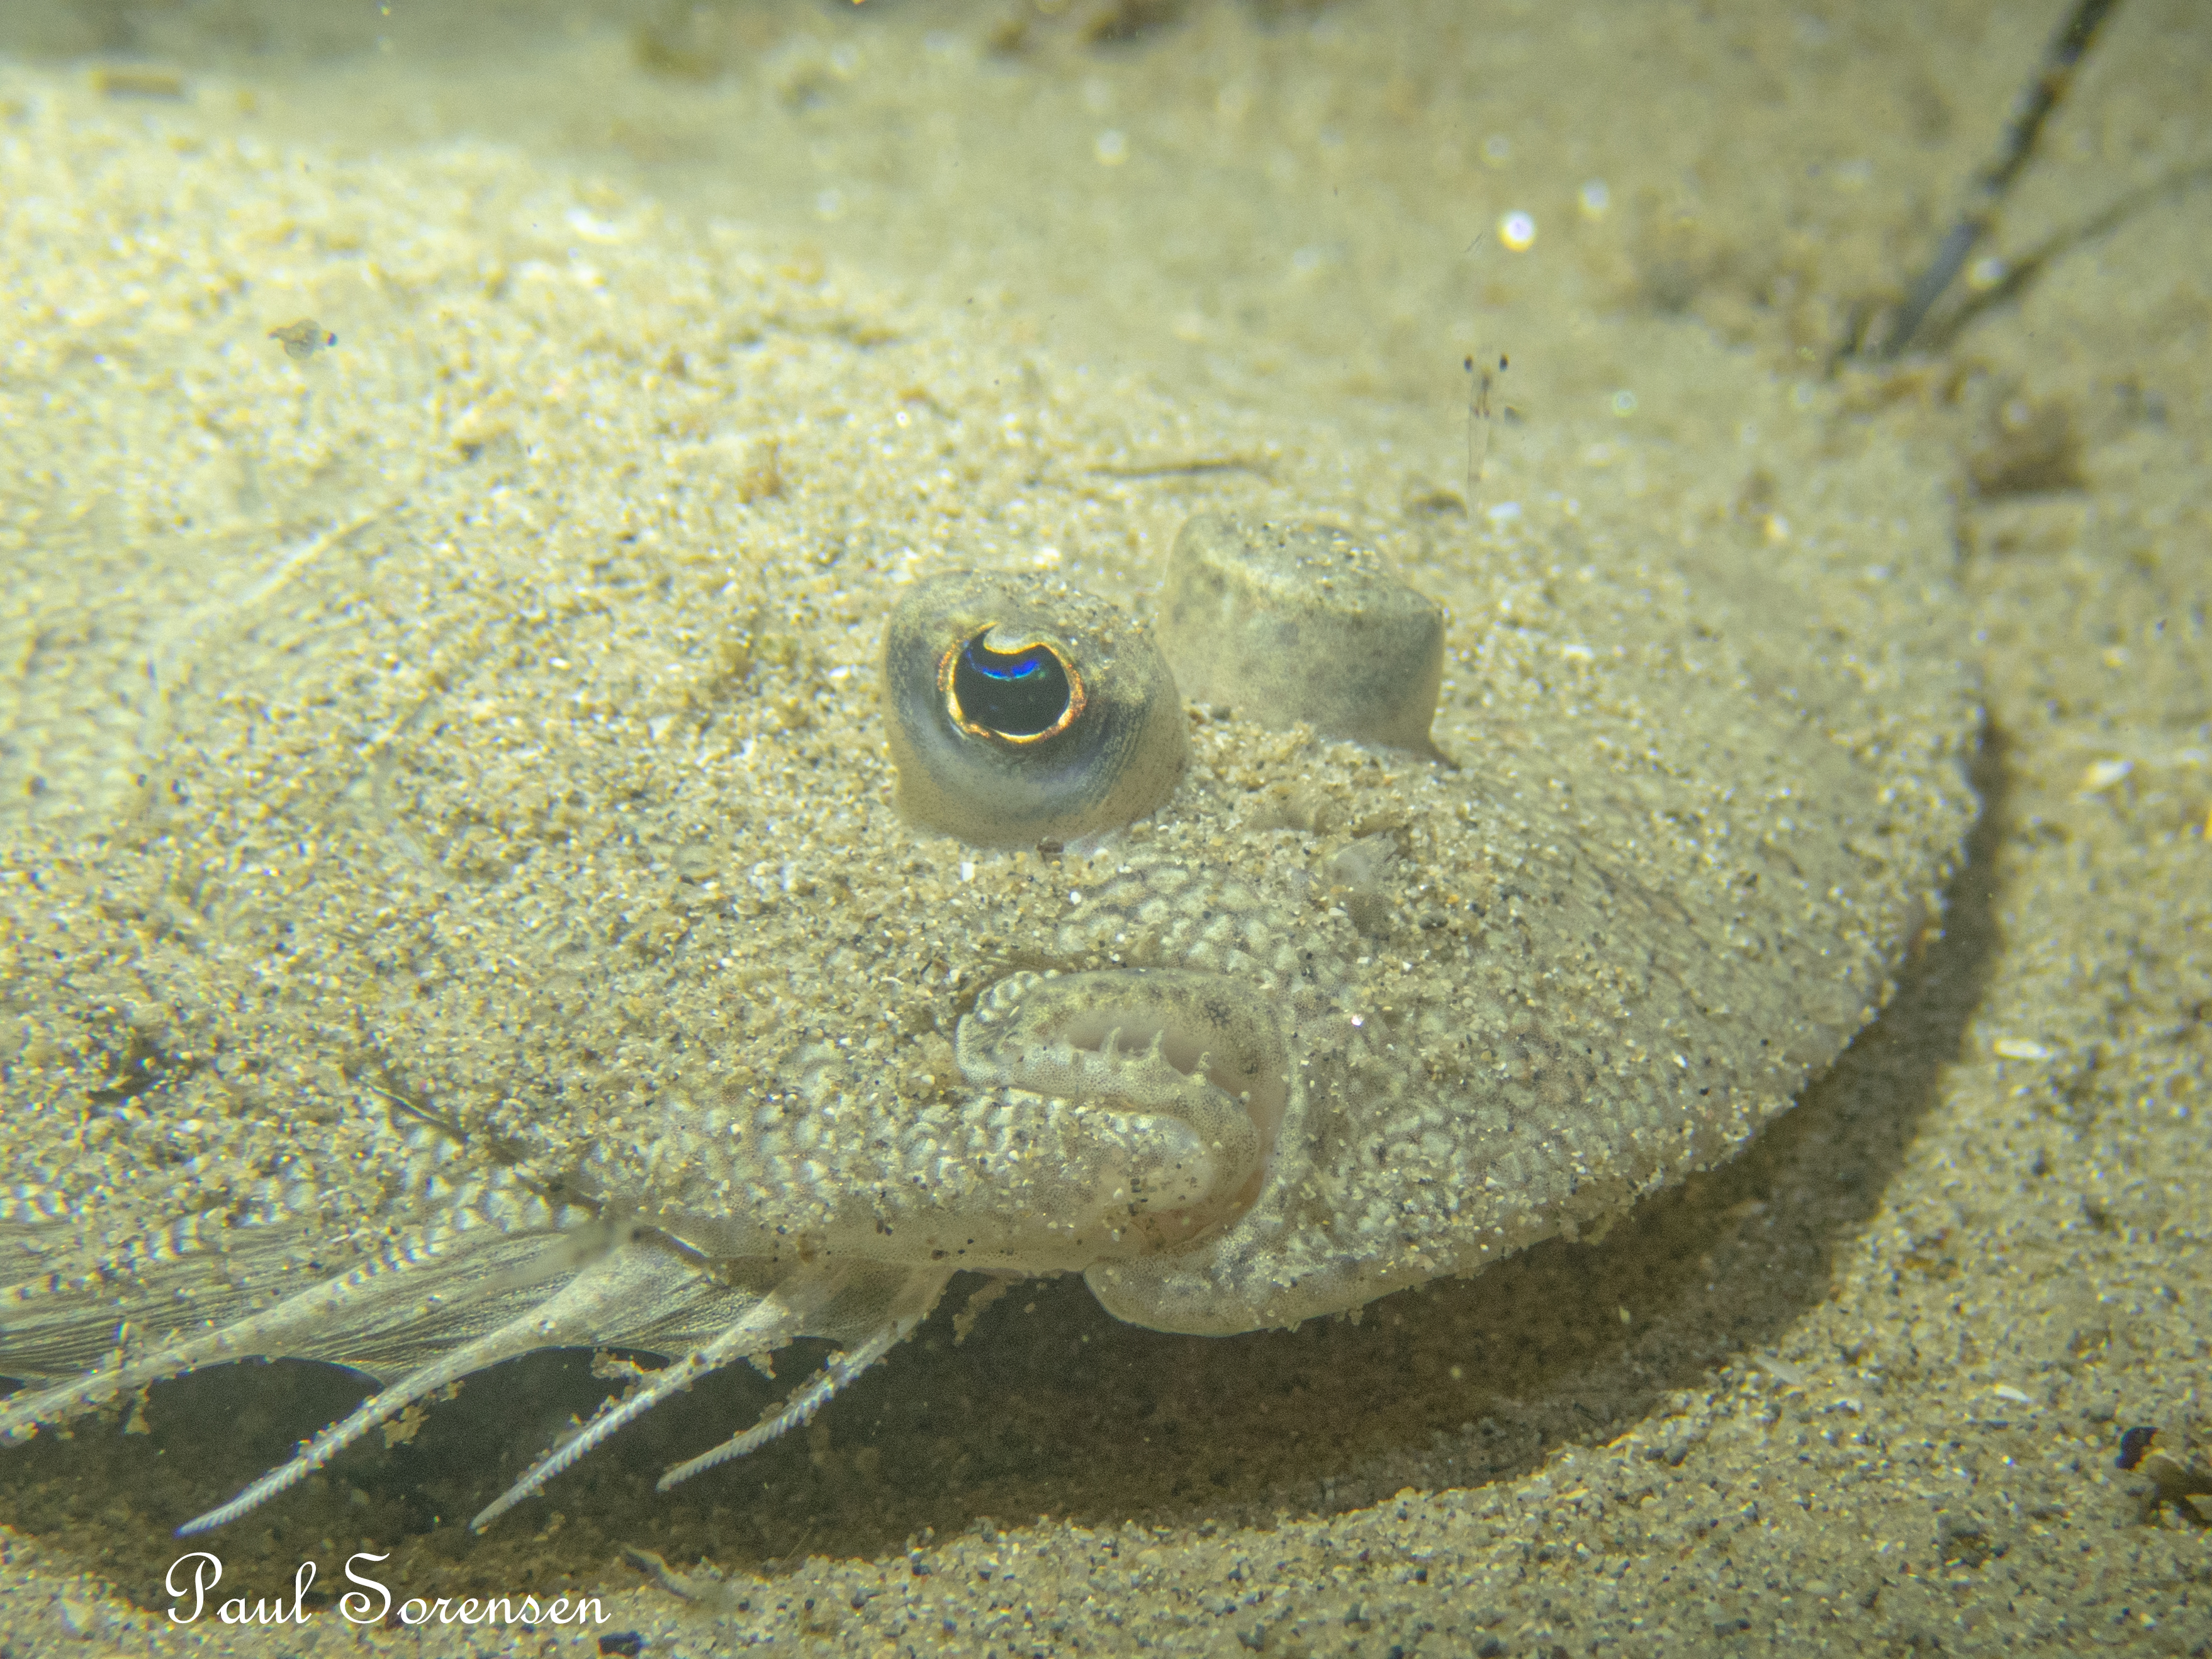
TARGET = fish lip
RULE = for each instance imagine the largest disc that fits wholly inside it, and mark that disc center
(1201, 1049)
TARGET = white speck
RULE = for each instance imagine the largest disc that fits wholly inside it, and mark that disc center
(1046, 558)
(2006, 1391)
(1624, 402)
(1358, 1020)
(2104, 773)
(1595, 199)
(1578, 653)
(967, 869)
(1503, 513)
(2019, 1048)
(593, 229)
(1681, 1062)
(1075, 897)
(1517, 230)
(1111, 147)
(840, 673)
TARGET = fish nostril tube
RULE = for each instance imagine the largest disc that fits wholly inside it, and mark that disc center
(1291, 622)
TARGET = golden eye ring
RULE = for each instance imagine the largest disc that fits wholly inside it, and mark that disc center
(1030, 694)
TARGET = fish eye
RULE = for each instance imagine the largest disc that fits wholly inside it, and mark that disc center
(1020, 709)
(1022, 696)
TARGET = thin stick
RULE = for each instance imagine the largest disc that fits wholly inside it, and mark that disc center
(2053, 81)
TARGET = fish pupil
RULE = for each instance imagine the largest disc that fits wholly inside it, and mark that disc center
(1017, 694)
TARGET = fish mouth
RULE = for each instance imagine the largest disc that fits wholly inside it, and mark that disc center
(1186, 1074)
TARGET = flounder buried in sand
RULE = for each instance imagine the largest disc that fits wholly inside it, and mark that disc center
(1188, 954)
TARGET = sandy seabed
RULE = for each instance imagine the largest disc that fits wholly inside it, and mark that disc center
(1861, 1390)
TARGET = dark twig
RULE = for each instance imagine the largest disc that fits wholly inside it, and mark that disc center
(2052, 81)
(2022, 268)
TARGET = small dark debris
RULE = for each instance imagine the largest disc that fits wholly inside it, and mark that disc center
(2138, 405)
(2133, 1444)
(2032, 450)
(1113, 20)
(1024, 27)
(627, 1642)
(140, 1068)
(137, 81)
(1009, 37)
(685, 42)
(1757, 498)
(303, 339)
(1434, 501)
(1963, 1540)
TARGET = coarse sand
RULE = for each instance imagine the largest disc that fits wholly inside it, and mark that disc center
(1861, 1390)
